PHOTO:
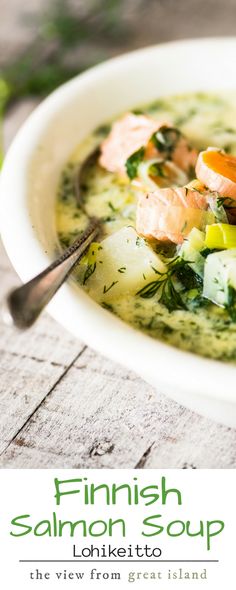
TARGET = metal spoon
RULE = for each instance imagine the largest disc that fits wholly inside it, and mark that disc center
(23, 305)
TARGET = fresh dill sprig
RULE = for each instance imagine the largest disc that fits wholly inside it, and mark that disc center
(170, 296)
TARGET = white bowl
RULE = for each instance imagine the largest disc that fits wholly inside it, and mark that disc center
(28, 184)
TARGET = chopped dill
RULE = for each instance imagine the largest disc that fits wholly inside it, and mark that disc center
(89, 271)
(139, 241)
(122, 269)
(113, 209)
(170, 296)
(107, 306)
(106, 289)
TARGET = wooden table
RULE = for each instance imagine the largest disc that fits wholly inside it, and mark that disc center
(63, 405)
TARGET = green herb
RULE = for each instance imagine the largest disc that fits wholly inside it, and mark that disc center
(185, 118)
(139, 241)
(170, 297)
(188, 277)
(64, 239)
(195, 300)
(225, 202)
(166, 139)
(184, 226)
(107, 306)
(157, 272)
(137, 111)
(102, 130)
(132, 163)
(231, 305)
(151, 289)
(206, 251)
(108, 218)
(228, 148)
(106, 289)
(157, 169)
(113, 209)
(191, 173)
(156, 106)
(122, 269)
(89, 272)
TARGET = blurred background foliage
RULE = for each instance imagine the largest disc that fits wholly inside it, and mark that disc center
(69, 37)
(45, 42)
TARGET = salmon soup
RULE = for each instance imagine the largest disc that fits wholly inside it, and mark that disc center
(163, 182)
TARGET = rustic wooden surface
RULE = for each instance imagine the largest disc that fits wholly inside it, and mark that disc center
(63, 405)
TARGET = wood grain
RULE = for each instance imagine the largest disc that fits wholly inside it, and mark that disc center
(63, 405)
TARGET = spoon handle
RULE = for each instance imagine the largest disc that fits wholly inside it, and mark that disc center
(23, 305)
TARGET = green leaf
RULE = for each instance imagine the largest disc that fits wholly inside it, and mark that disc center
(133, 162)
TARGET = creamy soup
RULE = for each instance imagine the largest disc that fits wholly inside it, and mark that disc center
(195, 323)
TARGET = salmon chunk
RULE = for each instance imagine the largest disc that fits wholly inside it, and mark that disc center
(159, 139)
(169, 214)
(127, 136)
(217, 170)
(184, 155)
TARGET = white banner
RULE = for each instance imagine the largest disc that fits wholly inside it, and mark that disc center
(104, 528)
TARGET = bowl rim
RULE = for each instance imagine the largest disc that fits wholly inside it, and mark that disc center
(75, 310)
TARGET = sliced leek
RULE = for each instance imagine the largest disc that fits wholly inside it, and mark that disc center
(220, 236)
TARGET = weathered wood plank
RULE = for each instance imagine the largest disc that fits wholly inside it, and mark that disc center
(25, 381)
(30, 363)
(99, 416)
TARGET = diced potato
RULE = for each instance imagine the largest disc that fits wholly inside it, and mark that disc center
(220, 276)
(121, 264)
